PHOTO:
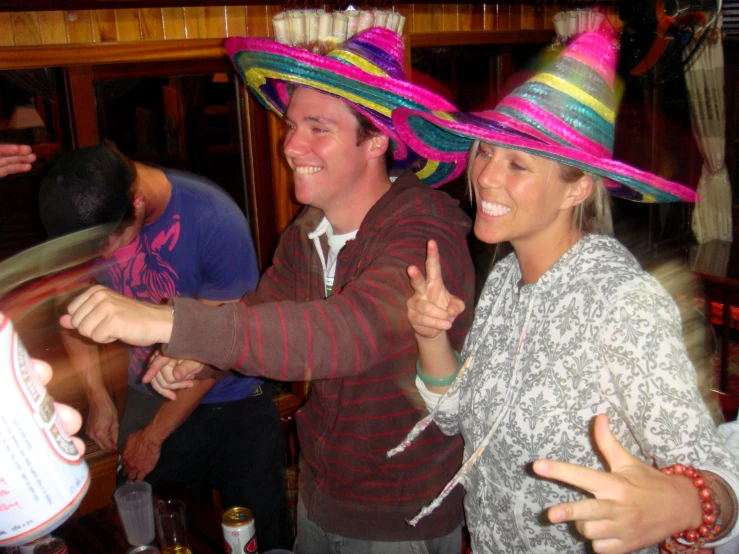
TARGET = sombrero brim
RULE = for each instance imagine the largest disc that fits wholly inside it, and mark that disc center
(269, 68)
(447, 135)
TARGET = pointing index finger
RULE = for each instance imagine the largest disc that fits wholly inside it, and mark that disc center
(433, 264)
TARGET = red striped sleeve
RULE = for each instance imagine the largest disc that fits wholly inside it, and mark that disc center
(361, 320)
(246, 342)
(309, 358)
(335, 355)
(260, 353)
(284, 343)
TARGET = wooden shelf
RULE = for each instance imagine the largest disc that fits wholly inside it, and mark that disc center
(472, 38)
(25, 57)
(58, 55)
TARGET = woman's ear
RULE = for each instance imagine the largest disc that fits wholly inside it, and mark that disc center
(578, 191)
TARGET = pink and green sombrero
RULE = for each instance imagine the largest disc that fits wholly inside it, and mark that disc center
(566, 112)
(366, 71)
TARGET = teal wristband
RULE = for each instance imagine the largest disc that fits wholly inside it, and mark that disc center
(439, 381)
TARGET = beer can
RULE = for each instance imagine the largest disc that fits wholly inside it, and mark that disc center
(30, 547)
(43, 478)
(239, 531)
(53, 545)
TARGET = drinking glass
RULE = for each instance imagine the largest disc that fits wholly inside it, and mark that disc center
(172, 527)
(135, 506)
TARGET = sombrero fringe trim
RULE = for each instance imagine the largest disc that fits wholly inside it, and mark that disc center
(319, 31)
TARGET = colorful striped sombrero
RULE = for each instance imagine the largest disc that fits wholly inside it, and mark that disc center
(366, 71)
(566, 112)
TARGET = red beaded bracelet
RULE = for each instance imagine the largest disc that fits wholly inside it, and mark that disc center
(706, 532)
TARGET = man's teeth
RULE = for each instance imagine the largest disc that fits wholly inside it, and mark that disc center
(493, 208)
(306, 169)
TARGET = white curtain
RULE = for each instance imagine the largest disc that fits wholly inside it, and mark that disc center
(705, 83)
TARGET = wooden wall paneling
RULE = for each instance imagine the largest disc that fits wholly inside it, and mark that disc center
(419, 20)
(464, 17)
(471, 38)
(540, 17)
(260, 182)
(271, 11)
(258, 21)
(69, 55)
(105, 22)
(212, 21)
(152, 23)
(173, 21)
(449, 17)
(6, 30)
(79, 26)
(53, 28)
(215, 22)
(502, 17)
(528, 17)
(26, 29)
(549, 13)
(514, 17)
(436, 17)
(81, 100)
(482, 17)
(285, 207)
(406, 10)
(128, 24)
(14, 5)
(236, 21)
(477, 18)
(194, 22)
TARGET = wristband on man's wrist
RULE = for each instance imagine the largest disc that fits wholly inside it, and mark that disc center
(439, 381)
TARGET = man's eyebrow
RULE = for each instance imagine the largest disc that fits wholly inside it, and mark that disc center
(321, 120)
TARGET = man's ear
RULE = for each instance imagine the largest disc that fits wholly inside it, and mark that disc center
(139, 205)
(578, 192)
(377, 145)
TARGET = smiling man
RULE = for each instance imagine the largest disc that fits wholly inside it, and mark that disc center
(331, 308)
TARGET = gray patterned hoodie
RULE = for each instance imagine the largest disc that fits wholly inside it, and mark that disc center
(595, 334)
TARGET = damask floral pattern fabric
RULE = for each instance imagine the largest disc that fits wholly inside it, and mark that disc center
(595, 334)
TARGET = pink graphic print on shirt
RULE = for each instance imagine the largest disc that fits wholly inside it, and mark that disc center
(140, 271)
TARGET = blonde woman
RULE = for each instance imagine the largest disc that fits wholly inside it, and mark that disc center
(576, 387)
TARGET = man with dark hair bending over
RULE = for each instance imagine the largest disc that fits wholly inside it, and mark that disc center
(177, 235)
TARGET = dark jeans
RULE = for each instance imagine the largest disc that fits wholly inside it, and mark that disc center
(312, 539)
(237, 448)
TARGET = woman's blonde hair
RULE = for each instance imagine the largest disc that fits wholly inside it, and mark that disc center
(593, 215)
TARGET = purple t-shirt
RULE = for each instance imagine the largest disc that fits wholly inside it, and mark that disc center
(200, 247)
